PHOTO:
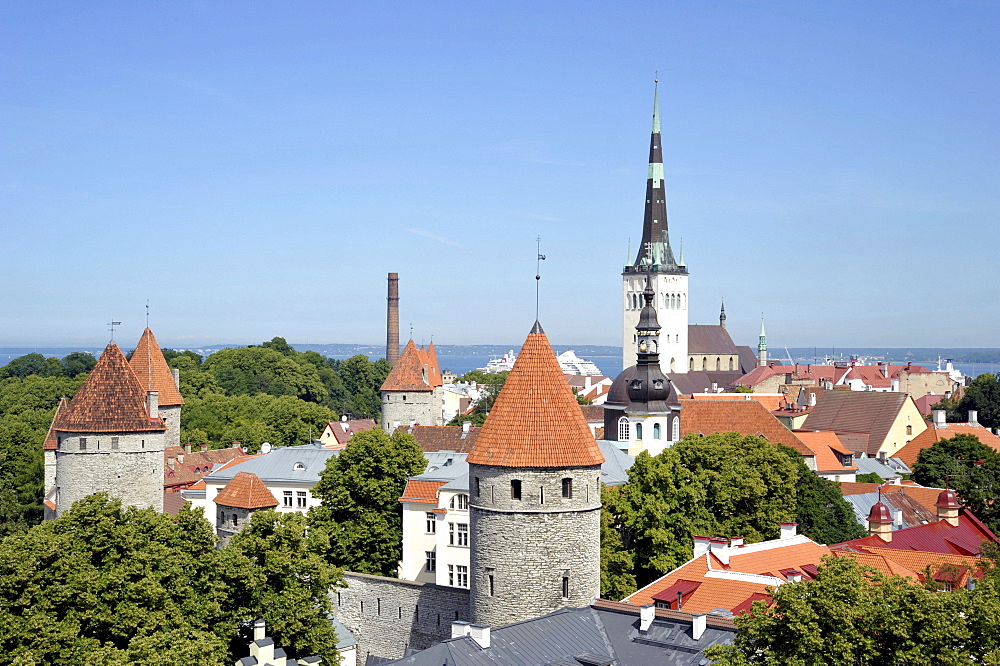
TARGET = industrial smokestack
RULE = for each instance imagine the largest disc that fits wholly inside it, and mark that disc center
(392, 321)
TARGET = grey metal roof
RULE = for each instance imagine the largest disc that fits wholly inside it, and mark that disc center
(614, 470)
(345, 638)
(892, 467)
(575, 636)
(285, 464)
(901, 506)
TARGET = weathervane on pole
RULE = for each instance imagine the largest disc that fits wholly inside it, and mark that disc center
(539, 258)
(147, 313)
(111, 328)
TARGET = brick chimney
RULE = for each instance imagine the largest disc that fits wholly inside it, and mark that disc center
(392, 321)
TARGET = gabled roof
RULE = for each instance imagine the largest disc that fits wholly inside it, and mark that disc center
(866, 412)
(536, 421)
(917, 561)
(926, 497)
(828, 450)
(772, 401)
(709, 339)
(246, 491)
(442, 438)
(416, 369)
(939, 537)
(909, 510)
(423, 492)
(813, 373)
(344, 429)
(746, 417)
(152, 371)
(111, 399)
(933, 434)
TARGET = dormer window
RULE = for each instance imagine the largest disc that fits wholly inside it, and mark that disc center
(657, 384)
(299, 467)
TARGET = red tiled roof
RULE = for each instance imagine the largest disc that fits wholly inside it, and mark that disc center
(771, 402)
(925, 497)
(345, 429)
(536, 421)
(246, 491)
(423, 492)
(939, 537)
(416, 369)
(51, 442)
(826, 446)
(442, 438)
(932, 435)
(152, 371)
(111, 399)
(746, 417)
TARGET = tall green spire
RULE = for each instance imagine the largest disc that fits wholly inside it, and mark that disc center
(762, 345)
(656, 106)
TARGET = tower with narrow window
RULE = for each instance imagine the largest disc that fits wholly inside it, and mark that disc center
(154, 374)
(535, 497)
(655, 259)
(762, 344)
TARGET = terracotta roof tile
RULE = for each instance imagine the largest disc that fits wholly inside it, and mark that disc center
(746, 417)
(416, 369)
(343, 430)
(154, 374)
(111, 399)
(932, 435)
(422, 492)
(828, 449)
(536, 421)
(918, 560)
(246, 491)
(443, 438)
(771, 402)
(940, 537)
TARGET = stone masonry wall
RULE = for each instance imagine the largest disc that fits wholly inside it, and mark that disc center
(424, 407)
(172, 417)
(132, 472)
(388, 615)
(528, 546)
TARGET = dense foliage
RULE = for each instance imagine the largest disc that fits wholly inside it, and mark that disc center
(982, 395)
(360, 491)
(852, 615)
(969, 467)
(100, 585)
(724, 484)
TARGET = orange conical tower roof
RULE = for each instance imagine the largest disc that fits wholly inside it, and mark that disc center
(536, 421)
(153, 372)
(415, 370)
(111, 399)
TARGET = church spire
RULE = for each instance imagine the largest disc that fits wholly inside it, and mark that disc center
(722, 314)
(762, 345)
(654, 250)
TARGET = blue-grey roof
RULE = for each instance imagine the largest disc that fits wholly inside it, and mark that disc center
(614, 471)
(901, 506)
(575, 636)
(444, 466)
(888, 469)
(285, 464)
(345, 638)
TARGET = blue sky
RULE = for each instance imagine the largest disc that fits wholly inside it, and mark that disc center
(255, 169)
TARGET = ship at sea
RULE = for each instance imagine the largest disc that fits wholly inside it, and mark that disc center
(570, 363)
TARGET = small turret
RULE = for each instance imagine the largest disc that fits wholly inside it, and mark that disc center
(880, 522)
(948, 506)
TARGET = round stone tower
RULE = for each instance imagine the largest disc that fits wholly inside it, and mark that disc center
(109, 438)
(535, 497)
(154, 374)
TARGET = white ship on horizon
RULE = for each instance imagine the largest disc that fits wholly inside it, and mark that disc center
(570, 363)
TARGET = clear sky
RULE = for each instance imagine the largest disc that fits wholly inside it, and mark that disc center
(256, 168)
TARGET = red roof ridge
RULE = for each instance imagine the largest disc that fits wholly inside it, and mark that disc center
(152, 371)
(416, 369)
(536, 421)
(246, 491)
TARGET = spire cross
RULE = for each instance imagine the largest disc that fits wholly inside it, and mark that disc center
(539, 258)
(111, 328)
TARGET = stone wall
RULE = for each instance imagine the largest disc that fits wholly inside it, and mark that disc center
(523, 549)
(388, 615)
(128, 466)
(423, 407)
(172, 417)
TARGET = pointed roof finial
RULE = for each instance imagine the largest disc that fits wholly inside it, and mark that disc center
(539, 258)
(111, 327)
(656, 104)
(680, 261)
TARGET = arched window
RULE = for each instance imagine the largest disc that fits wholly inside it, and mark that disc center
(675, 429)
(460, 502)
(638, 431)
(909, 430)
(672, 366)
(732, 362)
(704, 363)
(623, 429)
(718, 363)
(691, 364)
(656, 431)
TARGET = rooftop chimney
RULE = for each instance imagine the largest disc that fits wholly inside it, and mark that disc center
(947, 507)
(788, 530)
(466, 425)
(699, 622)
(153, 403)
(701, 545)
(258, 630)
(880, 522)
(974, 417)
(177, 378)
(720, 548)
(647, 614)
(939, 418)
(460, 628)
(736, 542)
(481, 634)
(794, 576)
(392, 321)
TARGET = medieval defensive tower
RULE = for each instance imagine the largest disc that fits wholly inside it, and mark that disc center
(154, 374)
(392, 320)
(109, 438)
(535, 496)
(655, 260)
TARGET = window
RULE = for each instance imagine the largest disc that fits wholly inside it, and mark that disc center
(515, 489)
(451, 534)
(623, 429)
(431, 523)
(638, 431)
(477, 486)
(236, 520)
(567, 488)
(460, 502)
(287, 499)
(462, 575)
(114, 443)
(451, 575)
(83, 443)
(675, 431)
(463, 534)
(565, 586)
(430, 561)
(541, 494)
(656, 431)
(489, 581)
(909, 430)
(300, 499)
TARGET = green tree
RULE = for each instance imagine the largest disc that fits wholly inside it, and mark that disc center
(251, 370)
(185, 360)
(983, 395)
(617, 562)
(362, 380)
(360, 491)
(253, 419)
(851, 615)
(870, 477)
(281, 346)
(32, 364)
(821, 511)
(971, 468)
(78, 363)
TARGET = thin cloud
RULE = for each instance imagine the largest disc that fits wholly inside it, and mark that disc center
(427, 234)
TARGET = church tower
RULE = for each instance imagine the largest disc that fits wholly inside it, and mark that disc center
(762, 344)
(655, 260)
(535, 505)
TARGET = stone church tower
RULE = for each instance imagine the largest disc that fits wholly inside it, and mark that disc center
(655, 259)
(154, 374)
(412, 393)
(108, 438)
(535, 497)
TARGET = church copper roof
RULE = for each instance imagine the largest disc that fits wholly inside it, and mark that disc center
(536, 421)
(111, 399)
(154, 374)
